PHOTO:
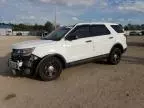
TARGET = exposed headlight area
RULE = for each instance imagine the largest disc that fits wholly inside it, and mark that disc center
(23, 60)
(22, 52)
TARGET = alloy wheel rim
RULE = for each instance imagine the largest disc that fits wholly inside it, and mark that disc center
(50, 70)
(116, 57)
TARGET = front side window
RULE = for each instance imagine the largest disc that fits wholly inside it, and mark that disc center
(98, 30)
(80, 32)
(57, 34)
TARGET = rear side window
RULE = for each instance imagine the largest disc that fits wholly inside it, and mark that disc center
(118, 28)
(98, 30)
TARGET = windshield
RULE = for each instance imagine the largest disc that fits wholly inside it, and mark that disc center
(57, 34)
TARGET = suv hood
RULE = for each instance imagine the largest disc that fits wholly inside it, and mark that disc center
(31, 44)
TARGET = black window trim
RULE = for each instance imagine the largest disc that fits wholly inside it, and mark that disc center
(100, 25)
(76, 28)
(115, 29)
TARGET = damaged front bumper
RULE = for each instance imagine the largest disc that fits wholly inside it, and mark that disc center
(23, 65)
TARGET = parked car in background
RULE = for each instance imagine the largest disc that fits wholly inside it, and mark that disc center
(19, 34)
(134, 33)
(67, 46)
(142, 33)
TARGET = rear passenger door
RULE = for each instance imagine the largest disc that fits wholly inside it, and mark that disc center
(103, 40)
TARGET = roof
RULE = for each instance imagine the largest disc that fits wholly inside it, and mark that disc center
(5, 26)
(97, 23)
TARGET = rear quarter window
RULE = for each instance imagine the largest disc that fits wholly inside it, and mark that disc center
(118, 28)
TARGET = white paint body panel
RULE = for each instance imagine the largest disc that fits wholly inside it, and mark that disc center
(32, 43)
(104, 43)
(120, 38)
(77, 49)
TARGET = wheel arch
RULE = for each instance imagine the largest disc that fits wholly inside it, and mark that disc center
(117, 45)
(59, 56)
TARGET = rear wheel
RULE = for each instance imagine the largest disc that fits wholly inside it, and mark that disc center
(115, 56)
(50, 68)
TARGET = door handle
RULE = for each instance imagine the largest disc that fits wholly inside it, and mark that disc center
(88, 41)
(111, 37)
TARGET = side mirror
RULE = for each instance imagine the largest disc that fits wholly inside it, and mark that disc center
(70, 37)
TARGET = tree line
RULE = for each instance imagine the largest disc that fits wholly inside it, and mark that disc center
(48, 27)
(134, 27)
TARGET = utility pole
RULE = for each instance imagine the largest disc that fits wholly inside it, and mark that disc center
(0, 19)
(55, 19)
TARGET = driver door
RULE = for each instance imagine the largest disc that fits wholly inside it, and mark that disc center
(79, 44)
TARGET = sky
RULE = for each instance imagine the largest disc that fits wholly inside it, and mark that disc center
(72, 11)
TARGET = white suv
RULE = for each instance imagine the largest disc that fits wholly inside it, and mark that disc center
(67, 46)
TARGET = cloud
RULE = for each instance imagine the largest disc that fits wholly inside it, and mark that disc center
(28, 17)
(110, 19)
(75, 18)
(2, 1)
(130, 6)
(102, 19)
(70, 2)
(121, 19)
(102, 3)
(133, 20)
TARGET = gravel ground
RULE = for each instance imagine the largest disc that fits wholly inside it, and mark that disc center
(93, 85)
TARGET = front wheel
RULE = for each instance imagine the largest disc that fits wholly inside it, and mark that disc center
(115, 56)
(50, 68)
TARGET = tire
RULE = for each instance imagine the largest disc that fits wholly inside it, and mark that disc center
(115, 56)
(50, 68)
